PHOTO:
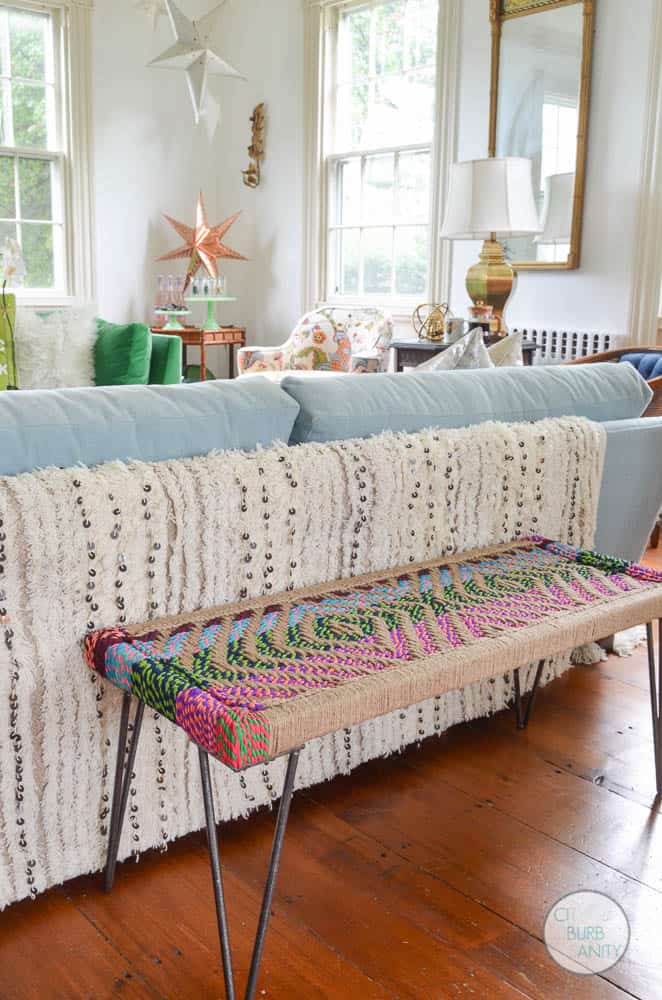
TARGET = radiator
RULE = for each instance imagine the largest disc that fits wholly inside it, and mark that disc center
(556, 346)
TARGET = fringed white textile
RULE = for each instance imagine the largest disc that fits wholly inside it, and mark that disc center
(624, 644)
(84, 547)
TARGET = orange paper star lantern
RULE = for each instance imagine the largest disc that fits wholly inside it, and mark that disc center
(202, 243)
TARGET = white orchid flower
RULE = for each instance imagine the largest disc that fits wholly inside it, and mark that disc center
(13, 265)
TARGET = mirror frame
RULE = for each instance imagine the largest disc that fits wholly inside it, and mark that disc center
(507, 10)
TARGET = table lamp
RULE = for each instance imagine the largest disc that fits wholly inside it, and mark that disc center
(558, 211)
(487, 197)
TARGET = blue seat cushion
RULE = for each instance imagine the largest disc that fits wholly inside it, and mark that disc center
(363, 405)
(648, 365)
(65, 427)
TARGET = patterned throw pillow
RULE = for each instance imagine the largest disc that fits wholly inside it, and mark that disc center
(508, 352)
(468, 352)
(318, 345)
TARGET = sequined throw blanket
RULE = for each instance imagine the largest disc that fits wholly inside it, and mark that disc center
(87, 549)
(252, 680)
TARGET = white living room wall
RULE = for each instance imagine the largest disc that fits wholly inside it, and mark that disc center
(151, 158)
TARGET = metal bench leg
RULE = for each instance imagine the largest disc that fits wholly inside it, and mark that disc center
(123, 778)
(656, 699)
(217, 876)
(524, 714)
(279, 836)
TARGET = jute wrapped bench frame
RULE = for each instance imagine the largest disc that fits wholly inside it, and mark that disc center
(256, 680)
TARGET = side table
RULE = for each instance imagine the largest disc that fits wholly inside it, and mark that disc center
(224, 336)
(410, 353)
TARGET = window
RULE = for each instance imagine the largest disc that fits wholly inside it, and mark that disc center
(379, 142)
(31, 167)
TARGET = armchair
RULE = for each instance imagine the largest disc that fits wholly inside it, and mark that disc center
(334, 339)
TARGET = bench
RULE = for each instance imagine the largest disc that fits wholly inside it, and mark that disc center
(256, 680)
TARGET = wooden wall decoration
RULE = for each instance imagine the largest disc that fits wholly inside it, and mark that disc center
(252, 175)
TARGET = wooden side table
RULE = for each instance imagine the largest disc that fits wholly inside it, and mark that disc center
(193, 336)
(410, 353)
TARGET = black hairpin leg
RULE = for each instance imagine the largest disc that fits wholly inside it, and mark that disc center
(123, 778)
(279, 836)
(217, 876)
(217, 879)
(524, 714)
(656, 699)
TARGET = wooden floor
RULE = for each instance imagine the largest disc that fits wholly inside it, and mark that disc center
(424, 876)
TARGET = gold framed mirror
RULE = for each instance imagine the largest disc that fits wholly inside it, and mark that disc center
(539, 107)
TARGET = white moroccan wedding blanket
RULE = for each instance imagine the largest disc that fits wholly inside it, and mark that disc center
(83, 548)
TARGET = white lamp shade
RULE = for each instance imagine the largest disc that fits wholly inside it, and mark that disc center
(559, 204)
(491, 196)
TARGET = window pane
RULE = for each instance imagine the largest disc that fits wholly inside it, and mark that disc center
(27, 35)
(350, 241)
(389, 23)
(34, 179)
(38, 253)
(378, 188)
(386, 75)
(5, 112)
(350, 191)
(354, 46)
(411, 260)
(30, 115)
(393, 110)
(377, 261)
(7, 188)
(420, 33)
(7, 229)
(414, 186)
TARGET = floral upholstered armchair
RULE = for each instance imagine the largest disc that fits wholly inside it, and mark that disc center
(332, 339)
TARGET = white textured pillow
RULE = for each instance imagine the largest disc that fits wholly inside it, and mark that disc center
(507, 353)
(468, 352)
(56, 351)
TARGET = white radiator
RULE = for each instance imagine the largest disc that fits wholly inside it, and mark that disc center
(556, 346)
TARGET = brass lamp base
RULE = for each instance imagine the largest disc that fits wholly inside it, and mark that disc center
(491, 282)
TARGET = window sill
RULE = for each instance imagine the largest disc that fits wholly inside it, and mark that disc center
(44, 300)
(401, 310)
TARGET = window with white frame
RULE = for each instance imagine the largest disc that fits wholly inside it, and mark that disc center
(380, 123)
(45, 151)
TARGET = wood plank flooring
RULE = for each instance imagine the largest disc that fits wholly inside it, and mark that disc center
(423, 877)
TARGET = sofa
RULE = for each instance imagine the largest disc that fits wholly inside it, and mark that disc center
(646, 360)
(88, 544)
(156, 423)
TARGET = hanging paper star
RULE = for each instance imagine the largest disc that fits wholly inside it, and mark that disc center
(192, 52)
(155, 8)
(202, 243)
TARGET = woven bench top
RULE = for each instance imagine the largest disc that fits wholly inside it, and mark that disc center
(253, 680)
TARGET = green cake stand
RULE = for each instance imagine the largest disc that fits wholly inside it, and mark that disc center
(211, 300)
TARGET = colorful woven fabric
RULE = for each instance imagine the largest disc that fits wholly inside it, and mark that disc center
(252, 680)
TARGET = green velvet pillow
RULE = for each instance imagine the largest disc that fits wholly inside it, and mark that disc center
(122, 354)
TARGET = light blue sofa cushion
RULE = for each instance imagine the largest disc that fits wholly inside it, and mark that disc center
(363, 405)
(631, 494)
(65, 427)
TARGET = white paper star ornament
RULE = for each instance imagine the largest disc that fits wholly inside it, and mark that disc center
(192, 52)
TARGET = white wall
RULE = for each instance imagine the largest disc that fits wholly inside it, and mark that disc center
(597, 296)
(151, 158)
